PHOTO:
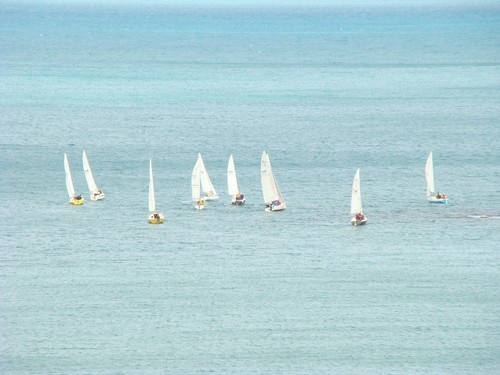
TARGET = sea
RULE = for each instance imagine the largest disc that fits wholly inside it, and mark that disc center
(95, 289)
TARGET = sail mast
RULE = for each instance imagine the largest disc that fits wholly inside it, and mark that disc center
(69, 179)
(269, 186)
(232, 181)
(152, 205)
(429, 175)
(195, 181)
(356, 207)
(88, 174)
(206, 183)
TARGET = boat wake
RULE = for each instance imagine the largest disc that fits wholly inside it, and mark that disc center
(483, 216)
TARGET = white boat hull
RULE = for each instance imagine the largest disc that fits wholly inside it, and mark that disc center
(200, 204)
(362, 221)
(211, 197)
(437, 200)
(238, 202)
(97, 196)
(279, 207)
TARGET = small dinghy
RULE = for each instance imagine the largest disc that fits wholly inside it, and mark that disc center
(95, 193)
(272, 194)
(198, 202)
(432, 197)
(206, 184)
(232, 184)
(154, 217)
(356, 206)
(73, 198)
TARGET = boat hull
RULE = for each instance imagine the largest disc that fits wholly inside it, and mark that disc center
(76, 202)
(279, 207)
(158, 219)
(238, 202)
(437, 200)
(199, 205)
(356, 222)
(97, 196)
(211, 197)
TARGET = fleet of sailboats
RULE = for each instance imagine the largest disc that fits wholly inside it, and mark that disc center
(432, 196)
(202, 188)
(95, 193)
(75, 199)
(154, 217)
(273, 198)
(356, 206)
(232, 184)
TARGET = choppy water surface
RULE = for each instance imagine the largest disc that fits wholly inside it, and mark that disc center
(95, 289)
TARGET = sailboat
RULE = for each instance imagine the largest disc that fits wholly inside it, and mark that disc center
(432, 197)
(199, 203)
(73, 198)
(95, 193)
(206, 185)
(356, 207)
(272, 195)
(154, 217)
(232, 184)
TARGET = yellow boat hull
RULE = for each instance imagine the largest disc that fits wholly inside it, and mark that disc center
(156, 221)
(156, 218)
(76, 202)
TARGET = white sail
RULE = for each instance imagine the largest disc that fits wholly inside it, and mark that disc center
(152, 205)
(88, 174)
(206, 184)
(270, 189)
(195, 182)
(69, 179)
(356, 207)
(429, 175)
(278, 191)
(232, 181)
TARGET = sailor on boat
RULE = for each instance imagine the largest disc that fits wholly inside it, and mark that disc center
(440, 196)
(359, 219)
(76, 199)
(200, 202)
(273, 204)
(360, 216)
(156, 218)
(240, 199)
(97, 193)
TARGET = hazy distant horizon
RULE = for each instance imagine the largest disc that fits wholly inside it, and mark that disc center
(268, 3)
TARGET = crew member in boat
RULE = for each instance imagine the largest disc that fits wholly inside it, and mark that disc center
(274, 204)
(78, 197)
(200, 202)
(438, 195)
(239, 197)
(360, 216)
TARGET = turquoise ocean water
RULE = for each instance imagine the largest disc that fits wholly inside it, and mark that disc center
(96, 290)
